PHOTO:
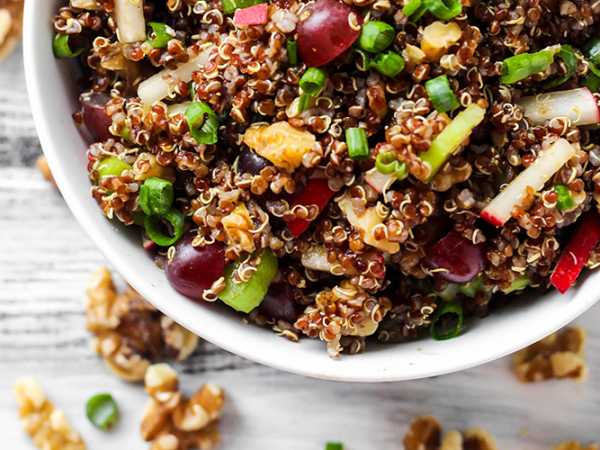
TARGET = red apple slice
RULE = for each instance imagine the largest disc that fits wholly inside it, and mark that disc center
(578, 105)
(499, 210)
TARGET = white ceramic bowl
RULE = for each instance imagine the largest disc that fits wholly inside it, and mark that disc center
(53, 95)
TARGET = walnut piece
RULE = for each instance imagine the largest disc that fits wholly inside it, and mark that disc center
(172, 421)
(42, 165)
(47, 426)
(11, 17)
(574, 445)
(129, 332)
(559, 355)
(425, 433)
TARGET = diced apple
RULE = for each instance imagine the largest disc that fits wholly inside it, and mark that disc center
(365, 224)
(160, 85)
(548, 162)
(578, 105)
(379, 181)
(131, 24)
(315, 258)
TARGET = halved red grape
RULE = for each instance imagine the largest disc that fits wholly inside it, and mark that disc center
(327, 33)
(279, 303)
(252, 163)
(194, 269)
(462, 259)
(94, 115)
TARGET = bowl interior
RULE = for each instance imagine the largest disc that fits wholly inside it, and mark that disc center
(53, 93)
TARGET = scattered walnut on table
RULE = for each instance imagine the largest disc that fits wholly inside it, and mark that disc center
(559, 355)
(47, 426)
(42, 165)
(172, 421)
(574, 445)
(129, 332)
(425, 433)
(11, 17)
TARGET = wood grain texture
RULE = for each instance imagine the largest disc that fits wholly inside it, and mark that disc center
(46, 259)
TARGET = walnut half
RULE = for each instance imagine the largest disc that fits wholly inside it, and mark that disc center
(574, 445)
(172, 421)
(559, 355)
(129, 332)
(425, 433)
(47, 426)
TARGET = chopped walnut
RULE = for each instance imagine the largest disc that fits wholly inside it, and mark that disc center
(47, 426)
(129, 332)
(574, 445)
(559, 355)
(42, 165)
(11, 16)
(425, 433)
(238, 225)
(345, 310)
(173, 422)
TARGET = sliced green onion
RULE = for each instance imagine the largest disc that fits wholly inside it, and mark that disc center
(356, 140)
(389, 63)
(112, 167)
(441, 95)
(569, 58)
(469, 289)
(376, 36)
(518, 284)
(313, 81)
(447, 323)
(152, 225)
(443, 9)
(591, 50)
(156, 196)
(519, 67)
(62, 47)
(592, 82)
(248, 295)
(202, 122)
(411, 7)
(565, 199)
(334, 446)
(446, 143)
(304, 102)
(161, 34)
(102, 411)
(229, 6)
(593, 68)
(386, 163)
(292, 51)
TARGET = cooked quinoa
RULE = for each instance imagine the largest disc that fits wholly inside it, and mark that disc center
(354, 172)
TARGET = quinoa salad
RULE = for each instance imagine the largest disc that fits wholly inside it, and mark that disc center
(356, 171)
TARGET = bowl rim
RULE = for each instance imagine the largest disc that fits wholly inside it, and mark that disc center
(579, 299)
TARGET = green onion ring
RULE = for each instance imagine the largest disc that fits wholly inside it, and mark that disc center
(202, 122)
(102, 411)
(162, 34)
(386, 163)
(156, 196)
(177, 221)
(313, 81)
(447, 309)
(443, 9)
(62, 47)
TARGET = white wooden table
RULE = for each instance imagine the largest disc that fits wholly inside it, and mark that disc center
(45, 262)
